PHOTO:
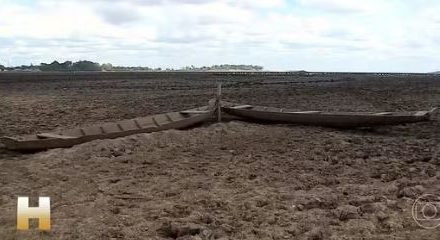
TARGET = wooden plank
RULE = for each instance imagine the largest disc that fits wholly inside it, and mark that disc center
(145, 122)
(383, 113)
(305, 112)
(168, 117)
(92, 130)
(53, 135)
(137, 124)
(194, 112)
(110, 128)
(219, 100)
(128, 125)
(155, 122)
(242, 107)
(421, 113)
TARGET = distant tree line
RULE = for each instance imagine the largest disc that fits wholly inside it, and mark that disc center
(109, 67)
(229, 67)
(69, 66)
(192, 68)
(56, 66)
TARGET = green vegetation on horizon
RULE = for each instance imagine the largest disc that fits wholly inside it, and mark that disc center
(69, 66)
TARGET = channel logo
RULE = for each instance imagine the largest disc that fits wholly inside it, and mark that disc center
(426, 211)
(25, 213)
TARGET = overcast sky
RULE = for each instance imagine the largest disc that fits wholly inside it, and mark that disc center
(314, 35)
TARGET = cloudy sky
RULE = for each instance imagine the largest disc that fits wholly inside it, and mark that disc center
(315, 35)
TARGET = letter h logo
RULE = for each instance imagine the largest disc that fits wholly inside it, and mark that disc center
(42, 213)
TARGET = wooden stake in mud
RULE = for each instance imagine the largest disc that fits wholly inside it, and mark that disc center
(219, 94)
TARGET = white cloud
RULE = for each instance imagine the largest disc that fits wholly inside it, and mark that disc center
(260, 3)
(312, 34)
(343, 5)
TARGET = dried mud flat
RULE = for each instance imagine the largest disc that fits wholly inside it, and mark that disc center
(231, 180)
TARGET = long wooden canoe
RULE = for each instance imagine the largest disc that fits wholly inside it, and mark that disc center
(327, 119)
(68, 138)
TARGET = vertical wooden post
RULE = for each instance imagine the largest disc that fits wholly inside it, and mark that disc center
(219, 110)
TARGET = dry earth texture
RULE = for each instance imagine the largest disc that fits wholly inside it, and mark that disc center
(231, 180)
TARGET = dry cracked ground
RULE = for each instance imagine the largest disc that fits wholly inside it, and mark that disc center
(236, 180)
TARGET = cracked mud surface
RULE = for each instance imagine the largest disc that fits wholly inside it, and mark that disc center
(231, 180)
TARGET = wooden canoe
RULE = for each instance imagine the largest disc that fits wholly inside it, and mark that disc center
(68, 138)
(326, 119)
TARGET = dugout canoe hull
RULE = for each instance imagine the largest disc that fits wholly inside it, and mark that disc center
(326, 119)
(71, 137)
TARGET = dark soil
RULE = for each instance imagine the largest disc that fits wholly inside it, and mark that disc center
(229, 180)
